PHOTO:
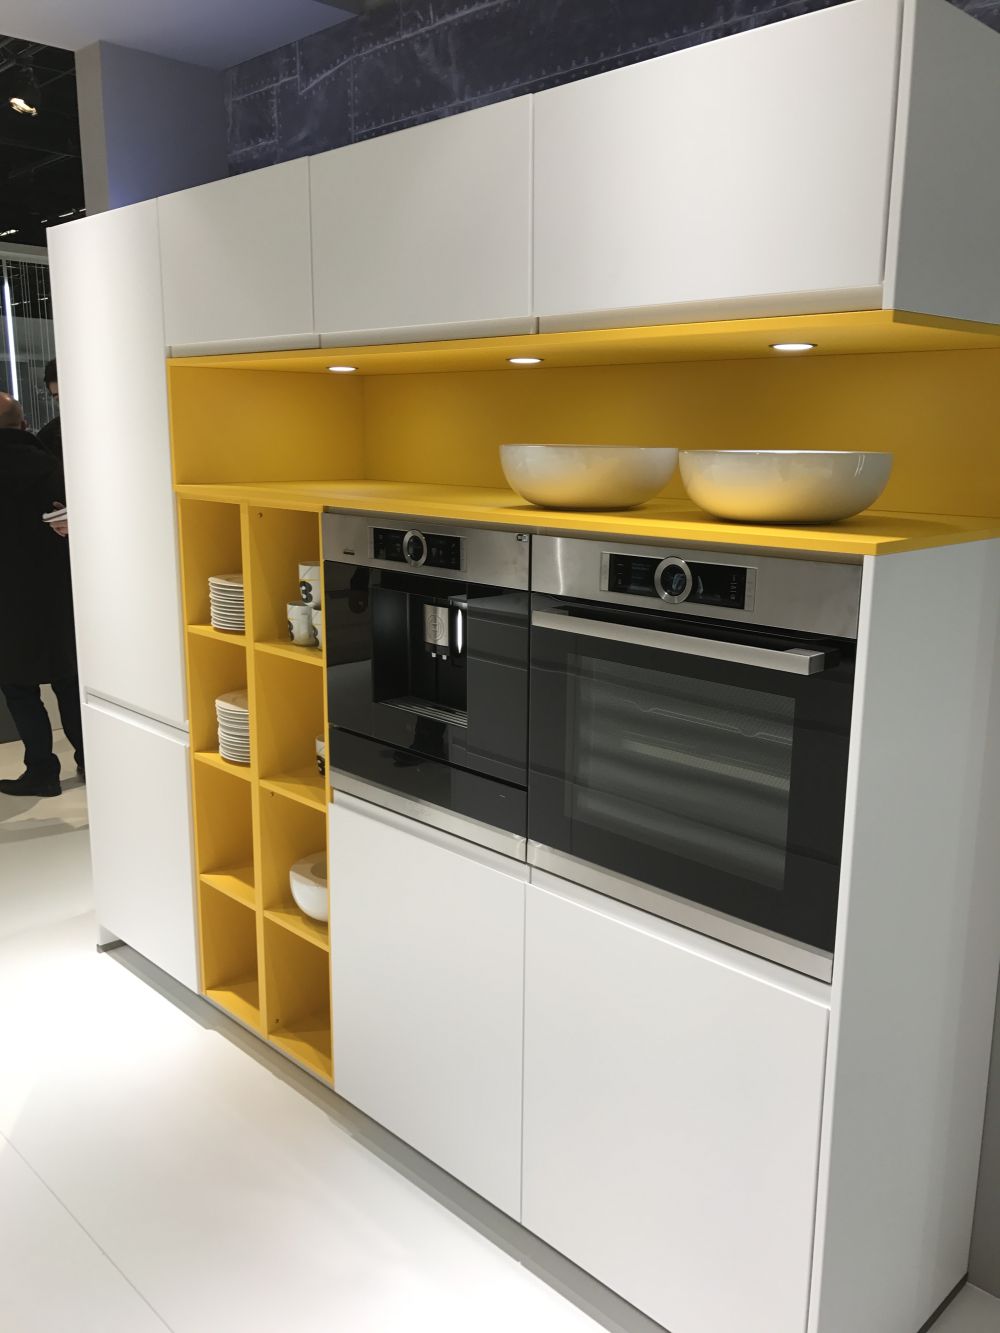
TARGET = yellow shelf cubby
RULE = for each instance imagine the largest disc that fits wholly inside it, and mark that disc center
(230, 971)
(289, 831)
(297, 979)
(289, 717)
(224, 841)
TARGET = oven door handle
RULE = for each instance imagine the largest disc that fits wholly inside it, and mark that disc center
(798, 661)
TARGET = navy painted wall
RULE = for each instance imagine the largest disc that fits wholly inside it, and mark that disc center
(414, 60)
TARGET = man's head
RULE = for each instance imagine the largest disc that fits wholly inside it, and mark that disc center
(11, 416)
(51, 378)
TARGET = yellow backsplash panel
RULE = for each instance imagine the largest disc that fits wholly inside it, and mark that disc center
(938, 412)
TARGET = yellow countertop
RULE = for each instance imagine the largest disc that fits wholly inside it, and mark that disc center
(875, 532)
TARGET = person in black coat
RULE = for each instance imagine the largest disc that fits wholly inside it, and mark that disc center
(37, 641)
(50, 435)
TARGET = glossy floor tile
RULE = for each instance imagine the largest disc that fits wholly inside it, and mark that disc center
(52, 1275)
(160, 1169)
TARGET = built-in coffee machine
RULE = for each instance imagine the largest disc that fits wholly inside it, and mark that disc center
(427, 629)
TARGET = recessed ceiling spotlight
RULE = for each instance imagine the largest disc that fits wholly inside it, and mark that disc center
(525, 360)
(792, 347)
(25, 97)
(342, 370)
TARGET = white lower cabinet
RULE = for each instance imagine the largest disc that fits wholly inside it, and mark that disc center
(139, 793)
(427, 944)
(672, 1100)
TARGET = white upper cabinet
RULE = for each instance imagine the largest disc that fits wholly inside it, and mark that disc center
(236, 261)
(756, 165)
(672, 1097)
(430, 226)
(108, 309)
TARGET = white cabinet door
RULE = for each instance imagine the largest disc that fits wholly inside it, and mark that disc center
(236, 260)
(749, 167)
(672, 1098)
(116, 440)
(427, 940)
(138, 790)
(428, 226)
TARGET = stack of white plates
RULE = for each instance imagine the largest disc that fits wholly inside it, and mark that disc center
(225, 594)
(234, 727)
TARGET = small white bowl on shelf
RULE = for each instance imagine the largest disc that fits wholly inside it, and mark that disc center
(307, 881)
(784, 485)
(586, 476)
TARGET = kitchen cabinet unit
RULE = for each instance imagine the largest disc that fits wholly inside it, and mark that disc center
(236, 261)
(672, 1097)
(113, 400)
(777, 171)
(428, 935)
(139, 796)
(426, 232)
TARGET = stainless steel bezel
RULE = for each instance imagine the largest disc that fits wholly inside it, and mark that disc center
(407, 537)
(673, 561)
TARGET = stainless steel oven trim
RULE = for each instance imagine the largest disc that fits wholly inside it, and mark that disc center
(789, 591)
(499, 557)
(509, 844)
(796, 661)
(751, 939)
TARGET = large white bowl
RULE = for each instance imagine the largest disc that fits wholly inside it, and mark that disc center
(784, 485)
(307, 880)
(586, 476)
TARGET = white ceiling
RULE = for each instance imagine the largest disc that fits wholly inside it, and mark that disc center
(217, 33)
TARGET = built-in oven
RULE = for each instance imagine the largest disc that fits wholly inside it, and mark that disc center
(690, 724)
(427, 671)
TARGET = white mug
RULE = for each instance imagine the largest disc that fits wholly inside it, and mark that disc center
(309, 584)
(300, 626)
(317, 624)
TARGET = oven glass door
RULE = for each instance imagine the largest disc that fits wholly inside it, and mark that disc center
(705, 762)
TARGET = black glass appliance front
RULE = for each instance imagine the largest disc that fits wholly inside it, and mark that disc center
(714, 780)
(428, 686)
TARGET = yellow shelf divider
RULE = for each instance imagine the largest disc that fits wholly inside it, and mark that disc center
(237, 883)
(213, 759)
(217, 635)
(241, 999)
(306, 927)
(294, 652)
(305, 785)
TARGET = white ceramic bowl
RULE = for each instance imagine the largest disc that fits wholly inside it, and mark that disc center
(586, 476)
(784, 485)
(307, 880)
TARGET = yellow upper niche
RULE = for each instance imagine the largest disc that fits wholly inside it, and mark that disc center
(432, 416)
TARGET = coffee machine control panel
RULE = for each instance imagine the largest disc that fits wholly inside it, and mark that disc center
(432, 550)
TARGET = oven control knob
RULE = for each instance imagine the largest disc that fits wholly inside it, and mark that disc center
(415, 548)
(672, 579)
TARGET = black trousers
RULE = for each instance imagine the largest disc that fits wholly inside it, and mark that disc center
(35, 729)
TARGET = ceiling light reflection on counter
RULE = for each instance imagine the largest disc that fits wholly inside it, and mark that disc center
(525, 360)
(792, 347)
(342, 370)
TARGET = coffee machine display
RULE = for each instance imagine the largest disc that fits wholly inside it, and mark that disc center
(427, 664)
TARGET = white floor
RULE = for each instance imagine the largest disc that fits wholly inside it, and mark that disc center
(155, 1173)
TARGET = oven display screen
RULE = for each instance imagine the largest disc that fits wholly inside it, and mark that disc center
(712, 585)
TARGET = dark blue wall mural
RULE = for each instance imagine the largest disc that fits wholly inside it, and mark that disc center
(409, 61)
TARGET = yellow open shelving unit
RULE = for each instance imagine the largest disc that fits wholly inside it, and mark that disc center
(262, 959)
